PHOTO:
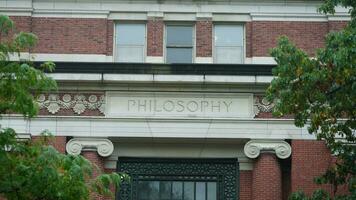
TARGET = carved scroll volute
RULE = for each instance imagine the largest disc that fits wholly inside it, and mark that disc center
(281, 148)
(104, 147)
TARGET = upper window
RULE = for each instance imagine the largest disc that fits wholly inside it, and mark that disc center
(179, 44)
(229, 43)
(177, 190)
(130, 42)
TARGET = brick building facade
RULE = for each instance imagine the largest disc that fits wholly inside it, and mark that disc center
(171, 92)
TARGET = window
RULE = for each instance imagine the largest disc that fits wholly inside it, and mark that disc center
(130, 42)
(229, 43)
(177, 190)
(179, 44)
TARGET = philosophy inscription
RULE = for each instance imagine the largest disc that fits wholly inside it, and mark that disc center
(150, 105)
(178, 105)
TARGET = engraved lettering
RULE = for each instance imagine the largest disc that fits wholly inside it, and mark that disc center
(129, 103)
(227, 105)
(141, 104)
(150, 105)
(203, 105)
(215, 106)
(168, 106)
(156, 106)
(181, 106)
(192, 106)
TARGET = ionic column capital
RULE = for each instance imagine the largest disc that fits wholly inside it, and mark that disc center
(281, 148)
(103, 146)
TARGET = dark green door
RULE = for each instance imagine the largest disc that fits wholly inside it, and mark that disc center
(179, 179)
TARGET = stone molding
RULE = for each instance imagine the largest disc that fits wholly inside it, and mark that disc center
(281, 148)
(79, 103)
(103, 146)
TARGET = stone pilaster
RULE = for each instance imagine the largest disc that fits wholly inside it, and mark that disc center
(93, 149)
(267, 174)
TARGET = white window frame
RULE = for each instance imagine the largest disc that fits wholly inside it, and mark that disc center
(193, 25)
(115, 49)
(243, 58)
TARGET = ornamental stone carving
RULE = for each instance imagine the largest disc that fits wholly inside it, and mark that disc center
(104, 147)
(281, 148)
(261, 104)
(79, 103)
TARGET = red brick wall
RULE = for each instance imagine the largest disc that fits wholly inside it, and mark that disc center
(95, 36)
(58, 142)
(155, 27)
(337, 25)
(22, 23)
(306, 35)
(109, 37)
(248, 32)
(204, 38)
(245, 185)
(70, 35)
(310, 159)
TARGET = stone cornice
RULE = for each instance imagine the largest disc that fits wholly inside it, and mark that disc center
(104, 147)
(281, 148)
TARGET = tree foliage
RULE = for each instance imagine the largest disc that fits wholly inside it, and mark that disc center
(35, 170)
(320, 92)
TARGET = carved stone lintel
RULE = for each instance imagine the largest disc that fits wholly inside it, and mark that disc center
(281, 148)
(104, 147)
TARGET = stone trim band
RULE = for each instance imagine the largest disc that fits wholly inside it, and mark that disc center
(104, 147)
(281, 148)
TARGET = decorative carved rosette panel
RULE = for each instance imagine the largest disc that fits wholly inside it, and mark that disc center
(72, 104)
(262, 105)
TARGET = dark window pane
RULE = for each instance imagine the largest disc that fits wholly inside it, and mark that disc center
(165, 190)
(148, 190)
(177, 190)
(188, 190)
(212, 191)
(200, 191)
(180, 35)
(179, 55)
(144, 189)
